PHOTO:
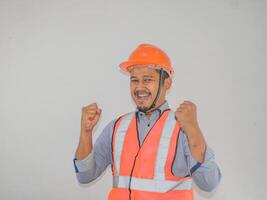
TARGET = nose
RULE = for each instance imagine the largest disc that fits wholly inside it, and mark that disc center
(140, 84)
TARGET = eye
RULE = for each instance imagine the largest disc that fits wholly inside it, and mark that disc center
(148, 80)
(134, 80)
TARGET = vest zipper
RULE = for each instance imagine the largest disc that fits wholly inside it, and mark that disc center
(130, 191)
(131, 175)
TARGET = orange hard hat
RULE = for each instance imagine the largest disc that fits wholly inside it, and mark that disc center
(147, 54)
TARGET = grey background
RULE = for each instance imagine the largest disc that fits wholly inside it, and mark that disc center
(57, 56)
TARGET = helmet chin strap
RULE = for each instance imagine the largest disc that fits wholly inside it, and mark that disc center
(153, 105)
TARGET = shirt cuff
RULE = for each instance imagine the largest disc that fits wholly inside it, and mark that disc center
(209, 155)
(85, 164)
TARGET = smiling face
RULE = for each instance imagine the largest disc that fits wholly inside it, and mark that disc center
(144, 87)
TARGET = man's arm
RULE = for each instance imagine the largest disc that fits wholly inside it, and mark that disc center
(186, 114)
(97, 161)
(200, 158)
(90, 117)
(207, 174)
(90, 162)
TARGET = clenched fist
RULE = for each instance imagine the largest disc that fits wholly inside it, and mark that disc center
(186, 115)
(90, 117)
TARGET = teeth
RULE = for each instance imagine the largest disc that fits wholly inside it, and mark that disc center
(143, 95)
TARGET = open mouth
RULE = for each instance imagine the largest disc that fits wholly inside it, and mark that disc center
(142, 95)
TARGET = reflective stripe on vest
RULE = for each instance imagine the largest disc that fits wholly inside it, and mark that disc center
(119, 138)
(151, 185)
(164, 146)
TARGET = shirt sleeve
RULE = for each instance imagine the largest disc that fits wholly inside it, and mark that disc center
(97, 161)
(206, 175)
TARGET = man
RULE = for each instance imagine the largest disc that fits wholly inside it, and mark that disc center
(155, 153)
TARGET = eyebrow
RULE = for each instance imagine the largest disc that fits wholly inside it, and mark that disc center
(132, 77)
(148, 76)
(145, 76)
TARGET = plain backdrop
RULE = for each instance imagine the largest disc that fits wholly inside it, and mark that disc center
(57, 56)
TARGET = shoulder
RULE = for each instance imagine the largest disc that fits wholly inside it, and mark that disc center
(126, 116)
(109, 128)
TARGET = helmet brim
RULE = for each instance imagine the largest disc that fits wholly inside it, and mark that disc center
(126, 66)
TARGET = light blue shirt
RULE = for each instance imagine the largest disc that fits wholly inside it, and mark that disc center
(206, 175)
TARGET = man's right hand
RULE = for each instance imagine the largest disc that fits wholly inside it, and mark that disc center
(90, 117)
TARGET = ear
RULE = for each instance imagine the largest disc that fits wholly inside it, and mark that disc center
(167, 83)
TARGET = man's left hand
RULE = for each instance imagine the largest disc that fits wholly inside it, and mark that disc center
(186, 115)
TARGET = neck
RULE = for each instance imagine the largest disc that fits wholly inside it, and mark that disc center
(149, 112)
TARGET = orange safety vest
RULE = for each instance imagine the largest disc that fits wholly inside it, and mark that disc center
(145, 172)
